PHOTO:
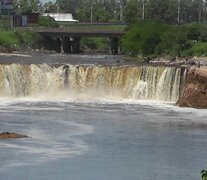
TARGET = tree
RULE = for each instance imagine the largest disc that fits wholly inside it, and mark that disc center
(165, 11)
(133, 11)
(27, 5)
(83, 15)
(68, 6)
(50, 7)
(101, 15)
(96, 10)
(192, 11)
(143, 38)
(200, 9)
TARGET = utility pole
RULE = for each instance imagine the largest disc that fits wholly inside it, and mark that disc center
(121, 11)
(58, 7)
(91, 12)
(92, 3)
(200, 6)
(178, 18)
(143, 10)
(0, 8)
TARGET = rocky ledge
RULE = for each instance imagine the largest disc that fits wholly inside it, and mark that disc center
(9, 135)
(194, 91)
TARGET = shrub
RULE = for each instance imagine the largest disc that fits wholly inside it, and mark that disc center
(16, 40)
(95, 43)
(9, 40)
(151, 38)
(30, 39)
(196, 32)
(143, 38)
(204, 174)
(173, 41)
(199, 49)
(47, 21)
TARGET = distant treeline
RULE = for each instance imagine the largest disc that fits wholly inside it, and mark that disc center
(168, 11)
(152, 38)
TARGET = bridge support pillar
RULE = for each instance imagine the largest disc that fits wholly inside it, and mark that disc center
(70, 44)
(76, 45)
(66, 45)
(50, 43)
(114, 44)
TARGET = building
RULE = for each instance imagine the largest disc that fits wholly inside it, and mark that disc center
(61, 17)
(25, 19)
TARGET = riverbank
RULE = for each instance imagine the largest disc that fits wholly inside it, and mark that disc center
(17, 40)
(194, 91)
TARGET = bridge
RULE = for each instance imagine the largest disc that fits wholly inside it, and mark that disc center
(68, 38)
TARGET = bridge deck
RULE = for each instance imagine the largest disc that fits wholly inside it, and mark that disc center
(80, 32)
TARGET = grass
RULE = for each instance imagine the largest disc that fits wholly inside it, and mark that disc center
(16, 40)
(96, 43)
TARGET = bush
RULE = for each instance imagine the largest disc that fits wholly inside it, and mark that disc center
(9, 40)
(204, 174)
(5, 24)
(47, 21)
(16, 40)
(199, 49)
(151, 38)
(173, 41)
(100, 44)
(143, 37)
(196, 32)
(30, 39)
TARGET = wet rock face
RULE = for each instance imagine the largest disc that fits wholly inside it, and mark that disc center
(8, 135)
(195, 89)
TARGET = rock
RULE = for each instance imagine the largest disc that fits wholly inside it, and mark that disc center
(9, 135)
(195, 89)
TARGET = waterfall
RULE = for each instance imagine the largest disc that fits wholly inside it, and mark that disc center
(127, 82)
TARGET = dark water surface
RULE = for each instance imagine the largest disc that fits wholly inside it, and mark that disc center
(101, 140)
(59, 59)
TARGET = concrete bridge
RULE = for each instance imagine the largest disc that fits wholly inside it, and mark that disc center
(69, 38)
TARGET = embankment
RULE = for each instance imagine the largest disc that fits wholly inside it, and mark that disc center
(194, 91)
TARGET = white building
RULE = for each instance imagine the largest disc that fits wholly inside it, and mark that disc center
(61, 17)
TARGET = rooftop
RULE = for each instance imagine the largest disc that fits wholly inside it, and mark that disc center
(61, 17)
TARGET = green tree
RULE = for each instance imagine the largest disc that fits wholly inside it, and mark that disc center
(164, 11)
(27, 6)
(102, 11)
(143, 38)
(101, 15)
(50, 8)
(133, 11)
(47, 21)
(68, 6)
(83, 15)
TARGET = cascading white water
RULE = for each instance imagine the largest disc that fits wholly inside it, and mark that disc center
(128, 82)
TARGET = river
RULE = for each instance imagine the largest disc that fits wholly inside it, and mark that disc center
(128, 127)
